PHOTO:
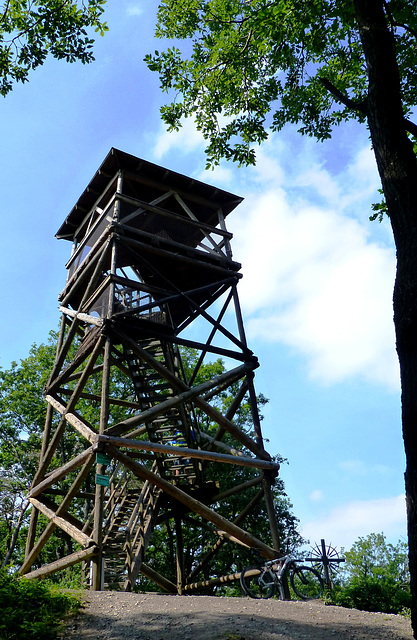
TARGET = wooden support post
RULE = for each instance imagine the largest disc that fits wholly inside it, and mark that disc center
(30, 541)
(47, 430)
(97, 579)
(271, 513)
(273, 527)
(179, 554)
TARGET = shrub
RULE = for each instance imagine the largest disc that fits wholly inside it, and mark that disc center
(372, 594)
(31, 609)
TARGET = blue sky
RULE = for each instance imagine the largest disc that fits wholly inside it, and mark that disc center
(318, 276)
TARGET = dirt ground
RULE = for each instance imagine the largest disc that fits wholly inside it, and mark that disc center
(149, 616)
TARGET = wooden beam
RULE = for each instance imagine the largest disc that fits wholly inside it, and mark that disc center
(194, 505)
(174, 216)
(59, 432)
(209, 340)
(95, 398)
(95, 259)
(67, 342)
(200, 257)
(156, 577)
(220, 445)
(232, 577)
(60, 473)
(63, 563)
(207, 203)
(213, 582)
(74, 420)
(162, 296)
(30, 541)
(87, 346)
(230, 413)
(84, 317)
(185, 452)
(237, 489)
(63, 524)
(176, 339)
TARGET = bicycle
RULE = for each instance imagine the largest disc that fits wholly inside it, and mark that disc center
(261, 581)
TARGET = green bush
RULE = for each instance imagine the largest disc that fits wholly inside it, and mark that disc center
(372, 594)
(31, 609)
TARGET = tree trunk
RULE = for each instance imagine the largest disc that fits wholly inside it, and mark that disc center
(15, 535)
(397, 166)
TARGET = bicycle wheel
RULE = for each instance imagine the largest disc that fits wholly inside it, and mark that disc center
(306, 582)
(257, 583)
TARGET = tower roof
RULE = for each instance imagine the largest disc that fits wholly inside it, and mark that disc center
(151, 180)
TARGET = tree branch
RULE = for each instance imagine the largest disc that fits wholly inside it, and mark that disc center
(341, 97)
(410, 127)
(33, 25)
(6, 8)
(394, 22)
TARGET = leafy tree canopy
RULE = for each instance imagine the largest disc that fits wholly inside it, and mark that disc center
(32, 29)
(375, 576)
(374, 557)
(252, 65)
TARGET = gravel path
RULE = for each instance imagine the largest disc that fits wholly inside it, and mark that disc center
(129, 616)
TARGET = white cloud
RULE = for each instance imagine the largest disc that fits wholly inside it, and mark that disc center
(134, 10)
(360, 468)
(186, 140)
(218, 176)
(312, 277)
(355, 467)
(316, 495)
(343, 525)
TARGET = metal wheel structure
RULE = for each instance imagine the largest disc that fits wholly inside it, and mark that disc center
(306, 582)
(151, 268)
(257, 583)
(326, 561)
(331, 554)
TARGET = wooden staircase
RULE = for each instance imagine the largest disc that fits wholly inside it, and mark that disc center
(130, 519)
(174, 427)
(131, 511)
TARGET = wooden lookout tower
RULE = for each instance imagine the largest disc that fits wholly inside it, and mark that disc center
(151, 268)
